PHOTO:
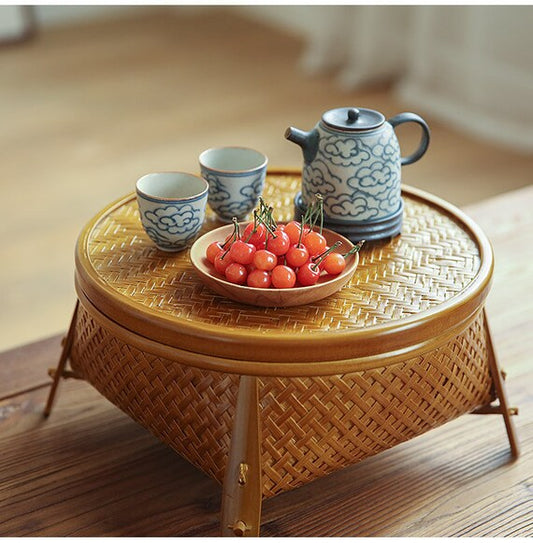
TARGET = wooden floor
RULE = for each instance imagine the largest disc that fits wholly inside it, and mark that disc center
(89, 470)
(86, 111)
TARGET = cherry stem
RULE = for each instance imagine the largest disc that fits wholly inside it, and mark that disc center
(267, 226)
(271, 219)
(356, 248)
(305, 218)
(308, 219)
(319, 258)
(320, 200)
(254, 229)
(234, 237)
(312, 214)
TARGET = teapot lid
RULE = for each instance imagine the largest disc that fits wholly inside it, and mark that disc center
(352, 118)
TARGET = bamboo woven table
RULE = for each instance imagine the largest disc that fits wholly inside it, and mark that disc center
(266, 399)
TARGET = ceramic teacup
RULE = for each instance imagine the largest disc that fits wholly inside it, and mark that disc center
(172, 208)
(236, 177)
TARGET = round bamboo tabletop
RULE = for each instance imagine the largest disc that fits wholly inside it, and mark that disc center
(407, 296)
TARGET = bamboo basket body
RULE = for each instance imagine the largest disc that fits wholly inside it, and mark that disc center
(402, 349)
(311, 426)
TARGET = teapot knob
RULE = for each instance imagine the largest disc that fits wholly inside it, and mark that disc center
(353, 114)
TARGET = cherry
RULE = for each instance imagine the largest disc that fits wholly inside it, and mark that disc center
(222, 261)
(259, 279)
(242, 252)
(308, 274)
(265, 260)
(315, 242)
(236, 273)
(334, 263)
(212, 251)
(293, 230)
(254, 235)
(279, 243)
(297, 255)
(283, 277)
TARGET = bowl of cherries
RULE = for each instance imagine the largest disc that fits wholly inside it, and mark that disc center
(270, 264)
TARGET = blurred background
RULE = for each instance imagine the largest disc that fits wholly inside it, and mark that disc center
(93, 97)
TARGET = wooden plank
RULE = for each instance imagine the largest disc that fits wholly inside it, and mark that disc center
(25, 368)
(90, 470)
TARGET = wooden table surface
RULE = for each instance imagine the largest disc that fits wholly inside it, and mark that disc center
(90, 471)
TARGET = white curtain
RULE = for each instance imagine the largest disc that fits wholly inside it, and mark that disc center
(469, 65)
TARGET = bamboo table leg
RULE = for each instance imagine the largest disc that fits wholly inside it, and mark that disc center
(506, 410)
(503, 408)
(65, 353)
(242, 490)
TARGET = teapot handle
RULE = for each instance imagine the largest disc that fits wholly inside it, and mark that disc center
(424, 141)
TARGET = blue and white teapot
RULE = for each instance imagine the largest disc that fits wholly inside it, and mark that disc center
(352, 158)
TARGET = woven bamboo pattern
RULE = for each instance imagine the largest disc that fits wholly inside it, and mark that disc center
(311, 426)
(433, 260)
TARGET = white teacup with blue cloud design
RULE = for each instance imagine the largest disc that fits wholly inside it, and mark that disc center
(236, 177)
(172, 208)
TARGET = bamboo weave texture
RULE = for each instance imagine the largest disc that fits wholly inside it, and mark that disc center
(434, 259)
(311, 426)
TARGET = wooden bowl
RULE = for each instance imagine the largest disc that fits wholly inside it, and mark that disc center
(270, 297)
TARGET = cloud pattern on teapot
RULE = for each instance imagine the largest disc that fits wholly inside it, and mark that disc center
(236, 201)
(358, 177)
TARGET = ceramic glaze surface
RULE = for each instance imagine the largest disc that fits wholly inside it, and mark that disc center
(352, 158)
(358, 174)
(172, 208)
(236, 177)
(234, 195)
(173, 227)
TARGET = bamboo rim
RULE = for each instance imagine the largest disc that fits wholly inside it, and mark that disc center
(269, 368)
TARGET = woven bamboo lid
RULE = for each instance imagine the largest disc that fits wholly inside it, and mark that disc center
(407, 295)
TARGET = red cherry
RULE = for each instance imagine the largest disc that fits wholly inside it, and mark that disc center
(242, 252)
(257, 237)
(283, 277)
(293, 229)
(316, 243)
(212, 251)
(334, 263)
(222, 261)
(265, 260)
(236, 273)
(297, 255)
(259, 279)
(280, 244)
(308, 274)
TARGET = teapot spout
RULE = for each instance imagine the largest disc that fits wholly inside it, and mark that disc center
(308, 141)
